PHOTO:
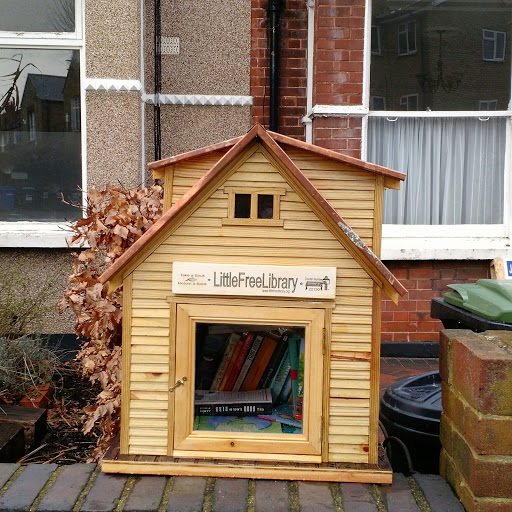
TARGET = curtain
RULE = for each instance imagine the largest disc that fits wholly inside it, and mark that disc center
(454, 166)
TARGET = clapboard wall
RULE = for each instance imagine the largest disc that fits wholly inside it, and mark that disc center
(303, 240)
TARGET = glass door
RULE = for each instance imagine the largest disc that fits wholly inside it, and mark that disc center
(248, 382)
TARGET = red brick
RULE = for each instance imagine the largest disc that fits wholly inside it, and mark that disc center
(424, 273)
(483, 373)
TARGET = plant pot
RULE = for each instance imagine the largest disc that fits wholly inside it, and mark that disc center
(39, 397)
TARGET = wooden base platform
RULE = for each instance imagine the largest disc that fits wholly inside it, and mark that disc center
(114, 462)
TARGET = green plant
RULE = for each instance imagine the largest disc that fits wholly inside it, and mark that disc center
(25, 362)
(22, 306)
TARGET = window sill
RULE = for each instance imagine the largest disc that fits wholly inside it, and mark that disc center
(252, 222)
(34, 234)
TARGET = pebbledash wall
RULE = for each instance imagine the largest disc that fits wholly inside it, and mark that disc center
(215, 87)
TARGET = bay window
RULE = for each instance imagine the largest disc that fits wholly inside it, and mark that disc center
(454, 154)
(40, 110)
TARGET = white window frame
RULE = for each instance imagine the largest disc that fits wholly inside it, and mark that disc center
(32, 134)
(424, 242)
(407, 28)
(48, 234)
(492, 35)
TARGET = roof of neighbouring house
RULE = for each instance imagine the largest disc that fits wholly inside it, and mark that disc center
(192, 199)
(48, 87)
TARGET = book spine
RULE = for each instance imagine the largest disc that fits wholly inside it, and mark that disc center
(280, 376)
(238, 347)
(239, 362)
(226, 358)
(260, 363)
(247, 363)
(233, 409)
(273, 364)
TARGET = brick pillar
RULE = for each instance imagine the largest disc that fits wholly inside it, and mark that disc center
(476, 424)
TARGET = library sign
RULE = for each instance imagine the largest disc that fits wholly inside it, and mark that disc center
(254, 280)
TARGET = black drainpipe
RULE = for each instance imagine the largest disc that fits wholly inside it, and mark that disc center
(273, 12)
(157, 128)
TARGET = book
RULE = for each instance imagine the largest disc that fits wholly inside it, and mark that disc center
(260, 363)
(274, 363)
(234, 357)
(281, 374)
(293, 348)
(282, 414)
(286, 391)
(256, 344)
(246, 345)
(211, 350)
(300, 378)
(224, 362)
(229, 403)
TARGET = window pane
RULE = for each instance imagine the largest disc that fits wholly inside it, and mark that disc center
(242, 206)
(265, 206)
(447, 42)
(454, 167)
(40, 157)
(37, 15)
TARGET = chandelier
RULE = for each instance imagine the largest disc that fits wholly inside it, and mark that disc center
(430, 82)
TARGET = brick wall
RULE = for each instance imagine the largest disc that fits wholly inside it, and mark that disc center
(339, 133)
(292, 66)
(476, 424)
(424, 280)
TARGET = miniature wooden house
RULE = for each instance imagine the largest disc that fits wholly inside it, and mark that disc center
(255, 238)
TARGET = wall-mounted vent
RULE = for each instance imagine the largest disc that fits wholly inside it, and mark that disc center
(170, 45)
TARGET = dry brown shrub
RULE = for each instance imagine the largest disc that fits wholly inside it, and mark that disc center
(114, 219)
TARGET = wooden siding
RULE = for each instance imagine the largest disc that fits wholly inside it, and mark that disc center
(302, 241)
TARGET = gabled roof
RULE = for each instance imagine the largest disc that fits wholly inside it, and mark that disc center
(159, 165)
(48, 87)
(219, 173)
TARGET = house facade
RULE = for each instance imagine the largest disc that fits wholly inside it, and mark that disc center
(421, 87)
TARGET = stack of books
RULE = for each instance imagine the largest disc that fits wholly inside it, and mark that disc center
(249, 372)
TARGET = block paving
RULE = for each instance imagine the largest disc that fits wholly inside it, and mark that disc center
(82, 487)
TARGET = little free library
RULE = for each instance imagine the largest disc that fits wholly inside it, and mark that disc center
(251, 316)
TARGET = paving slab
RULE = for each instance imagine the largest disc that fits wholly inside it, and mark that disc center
(357, 497)
(316, 497)
(24, 490)
(6, 471)
(438, 493)
(66, 489)
(187, 494)
(271, 496)
(230, 495)
(104, 493)
(398, 496)
(146, 494)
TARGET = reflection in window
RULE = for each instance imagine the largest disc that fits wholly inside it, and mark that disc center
(446, 63)
(37, 104)
(377, 103)
(375, 40)
(407, 38)
(494, 45)
(488, 105)
(37, 15)
(409, 102)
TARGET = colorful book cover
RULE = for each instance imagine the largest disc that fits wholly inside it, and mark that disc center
(239, 361)
(273, 364)
(286, 390)
(232, 362)
(260, 363)
(293, 347)
(300, 379)
(283, 414)
(248, 362)
(224, 363)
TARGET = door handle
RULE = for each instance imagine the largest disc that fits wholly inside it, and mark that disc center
(179, 383)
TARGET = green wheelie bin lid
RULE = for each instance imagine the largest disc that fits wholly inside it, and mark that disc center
(489, 298)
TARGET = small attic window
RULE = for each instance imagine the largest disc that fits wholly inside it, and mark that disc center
(254, 206)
